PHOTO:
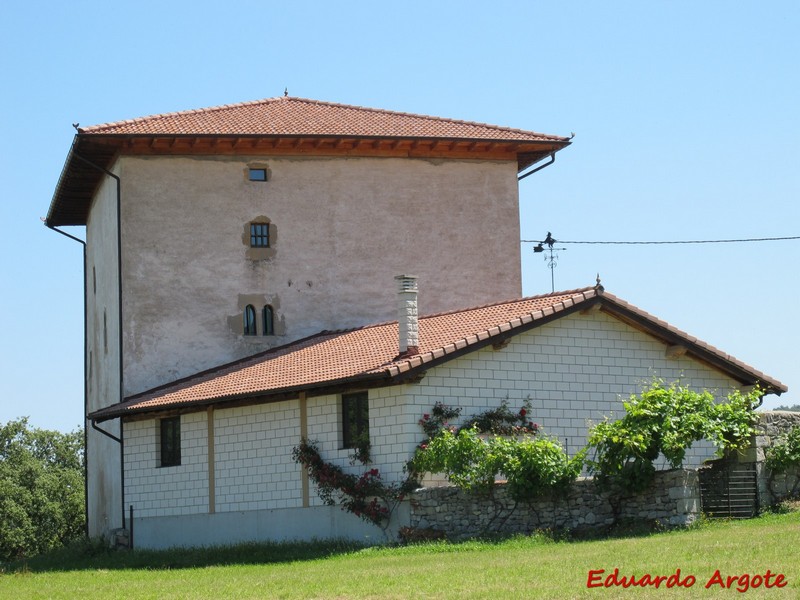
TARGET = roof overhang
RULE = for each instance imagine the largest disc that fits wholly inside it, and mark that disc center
(79, 178)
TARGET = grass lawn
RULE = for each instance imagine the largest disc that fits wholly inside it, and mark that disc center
(530, 567)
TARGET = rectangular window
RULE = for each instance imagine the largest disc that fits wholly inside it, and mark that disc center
(257, 174)
(355, 418)
(259, 235)
(170, 442)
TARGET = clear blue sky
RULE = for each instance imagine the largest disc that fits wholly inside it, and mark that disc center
(686, 117)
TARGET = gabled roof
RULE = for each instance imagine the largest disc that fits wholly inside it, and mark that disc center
(337, 360)
(281, 126)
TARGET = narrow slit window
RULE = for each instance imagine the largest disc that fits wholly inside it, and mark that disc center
(249, 320)
(170, 442)
(267, 315)
(259, 235)
(257, 174)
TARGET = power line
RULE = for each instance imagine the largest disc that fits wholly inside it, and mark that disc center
(768, 239)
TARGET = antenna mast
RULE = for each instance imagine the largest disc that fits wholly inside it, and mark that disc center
(552, 258)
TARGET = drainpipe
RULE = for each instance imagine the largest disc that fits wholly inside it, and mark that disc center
(85, 384)
(119, 309)
(119, 259)
(539, 168)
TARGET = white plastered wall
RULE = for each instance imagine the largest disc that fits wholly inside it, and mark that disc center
(102, 359)
(344, 227)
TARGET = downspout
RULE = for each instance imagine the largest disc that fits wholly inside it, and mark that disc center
(119, 309)
(539, 168)
(119, 440)
(119, 259)
(85, 384)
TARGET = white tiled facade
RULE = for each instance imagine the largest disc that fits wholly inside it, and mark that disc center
(253, 466)
(575, 371)
(165, 491)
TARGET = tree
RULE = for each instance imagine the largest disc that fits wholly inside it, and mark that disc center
(41, 489)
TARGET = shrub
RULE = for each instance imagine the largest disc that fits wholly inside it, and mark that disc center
(495, 443)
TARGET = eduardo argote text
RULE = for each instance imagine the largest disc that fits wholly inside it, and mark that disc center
(742, 583)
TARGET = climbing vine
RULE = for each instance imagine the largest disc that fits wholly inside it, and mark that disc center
(366, 496)
(666, 420)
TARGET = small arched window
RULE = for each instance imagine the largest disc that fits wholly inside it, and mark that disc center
(267, 315)
(249, 320)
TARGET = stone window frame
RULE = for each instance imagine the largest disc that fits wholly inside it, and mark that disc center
(259, 235)
(256, 168)
(260, 252)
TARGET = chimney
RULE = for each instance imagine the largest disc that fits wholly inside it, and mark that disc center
(407, 316)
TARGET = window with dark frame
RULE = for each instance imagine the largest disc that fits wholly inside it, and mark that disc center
(259, 235)
(355, 418)
(170, 442)
(257, 174)
(249, 319)
(267, 314)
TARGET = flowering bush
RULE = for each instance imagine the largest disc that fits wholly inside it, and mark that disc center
(472, 460)
(502, 421)
(438, 419)
(499, 421)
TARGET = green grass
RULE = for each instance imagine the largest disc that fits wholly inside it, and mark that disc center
(522, 567)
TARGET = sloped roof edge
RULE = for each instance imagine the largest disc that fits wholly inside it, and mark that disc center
(174, 395)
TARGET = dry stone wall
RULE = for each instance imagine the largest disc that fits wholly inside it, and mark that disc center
(774, 487)
(672, 500)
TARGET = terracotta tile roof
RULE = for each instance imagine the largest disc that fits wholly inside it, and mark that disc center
(299, 116)
(369, 354)
(284, 126)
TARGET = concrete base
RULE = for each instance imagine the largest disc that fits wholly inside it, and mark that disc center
(318, 522)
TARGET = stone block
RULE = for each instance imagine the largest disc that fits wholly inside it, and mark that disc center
(681, 492)
(688, 505)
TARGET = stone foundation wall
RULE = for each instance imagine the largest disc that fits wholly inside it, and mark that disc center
(673, 500)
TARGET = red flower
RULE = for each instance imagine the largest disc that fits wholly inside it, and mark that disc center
(426, 416)
(522, 412)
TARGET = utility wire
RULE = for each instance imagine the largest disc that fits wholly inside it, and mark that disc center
(769, 239)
